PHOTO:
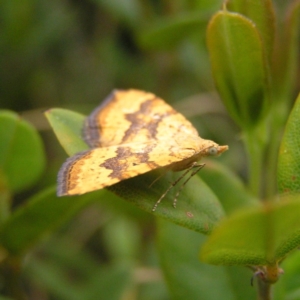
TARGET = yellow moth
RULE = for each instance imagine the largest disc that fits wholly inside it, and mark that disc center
(133, 132)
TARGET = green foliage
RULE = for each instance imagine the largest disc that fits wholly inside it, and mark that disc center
(41, 214)
(270, 235)
(68, 127)
(187, 277)
(229, 189)
(22, 158)
(96, 245)
(289, 159)
(168, 33)
(239, 67)
(263, 16)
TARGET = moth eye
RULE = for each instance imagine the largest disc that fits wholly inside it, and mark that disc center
(213, 151)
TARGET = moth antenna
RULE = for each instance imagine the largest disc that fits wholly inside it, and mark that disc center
(158, 177)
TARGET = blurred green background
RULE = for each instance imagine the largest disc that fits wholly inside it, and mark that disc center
(75, 52)
(71, 54)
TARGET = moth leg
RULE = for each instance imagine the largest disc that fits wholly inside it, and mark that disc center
(198, 168)
(176, 181)
(168, 189)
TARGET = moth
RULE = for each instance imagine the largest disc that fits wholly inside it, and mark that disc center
(133, 132)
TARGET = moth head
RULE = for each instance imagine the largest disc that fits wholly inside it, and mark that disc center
(215, 149)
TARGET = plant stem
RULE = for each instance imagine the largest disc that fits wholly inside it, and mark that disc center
(276, 125)
(264, 290)
(271, 167)
(254, 147)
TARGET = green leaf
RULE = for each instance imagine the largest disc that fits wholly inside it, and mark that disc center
(227, 187)
(288, 170)
(263, 15)
(67, 126)
(187, 278)
(286, 56)
(41, 214)
(198, 208)
(239, 67)
(22, 158)
(255, 236)
(167, 32)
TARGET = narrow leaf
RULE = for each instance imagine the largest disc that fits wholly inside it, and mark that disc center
(67, 126)
(239, 67)
(263, 15)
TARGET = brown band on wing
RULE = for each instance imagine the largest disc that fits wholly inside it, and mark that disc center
(68, 176)
(126, 160)
(144, 120)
